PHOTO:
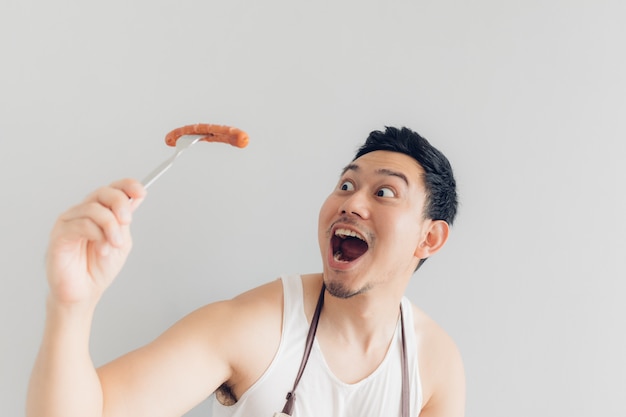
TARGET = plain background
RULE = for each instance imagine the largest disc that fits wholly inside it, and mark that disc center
(526, 98)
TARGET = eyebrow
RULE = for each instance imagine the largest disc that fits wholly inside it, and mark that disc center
(382, 171)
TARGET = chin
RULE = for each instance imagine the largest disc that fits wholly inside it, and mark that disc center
(341, 290)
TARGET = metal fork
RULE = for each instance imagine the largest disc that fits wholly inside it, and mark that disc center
(182, 143)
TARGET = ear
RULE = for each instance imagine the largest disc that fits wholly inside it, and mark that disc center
(435, 236)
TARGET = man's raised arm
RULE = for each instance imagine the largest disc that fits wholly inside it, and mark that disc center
(88, 246)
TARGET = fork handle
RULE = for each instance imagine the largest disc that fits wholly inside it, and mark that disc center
(158, 171)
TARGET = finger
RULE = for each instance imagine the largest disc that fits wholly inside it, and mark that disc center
(121, 197)
(92, 221)
(131, 187)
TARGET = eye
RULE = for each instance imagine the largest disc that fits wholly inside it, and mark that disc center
(346, 186)
(385, 192)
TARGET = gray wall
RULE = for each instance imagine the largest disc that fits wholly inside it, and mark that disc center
(527, 98)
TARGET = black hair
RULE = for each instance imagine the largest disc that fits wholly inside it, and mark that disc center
(441, 196)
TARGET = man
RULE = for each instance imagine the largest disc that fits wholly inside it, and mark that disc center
(373, 353)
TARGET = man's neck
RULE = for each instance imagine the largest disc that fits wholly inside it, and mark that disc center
(355, 333)
(365, 320)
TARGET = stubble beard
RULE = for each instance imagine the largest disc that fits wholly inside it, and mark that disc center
(339, 290)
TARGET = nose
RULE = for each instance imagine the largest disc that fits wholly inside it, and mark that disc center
(355, 204)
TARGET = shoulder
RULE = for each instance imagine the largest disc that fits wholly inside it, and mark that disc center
(252, 314)
(242, 333)
(254, 304)
(441, 368)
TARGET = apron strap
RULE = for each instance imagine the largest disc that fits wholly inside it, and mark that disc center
(291, 395)
(406, 393)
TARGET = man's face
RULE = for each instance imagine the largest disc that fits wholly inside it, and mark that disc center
(371, 225)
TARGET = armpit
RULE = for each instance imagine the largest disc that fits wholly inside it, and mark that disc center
(224, 394)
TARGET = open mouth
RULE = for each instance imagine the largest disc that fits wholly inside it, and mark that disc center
(347, 245)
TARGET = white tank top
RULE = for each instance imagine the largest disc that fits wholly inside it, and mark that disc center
(320, 393)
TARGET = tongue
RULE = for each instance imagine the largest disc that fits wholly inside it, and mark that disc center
(352, 248)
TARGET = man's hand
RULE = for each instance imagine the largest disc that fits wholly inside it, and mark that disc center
(90, 242)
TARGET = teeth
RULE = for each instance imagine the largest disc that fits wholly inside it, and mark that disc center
(344, 233)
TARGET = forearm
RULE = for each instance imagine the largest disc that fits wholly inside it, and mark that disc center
(64, 382)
